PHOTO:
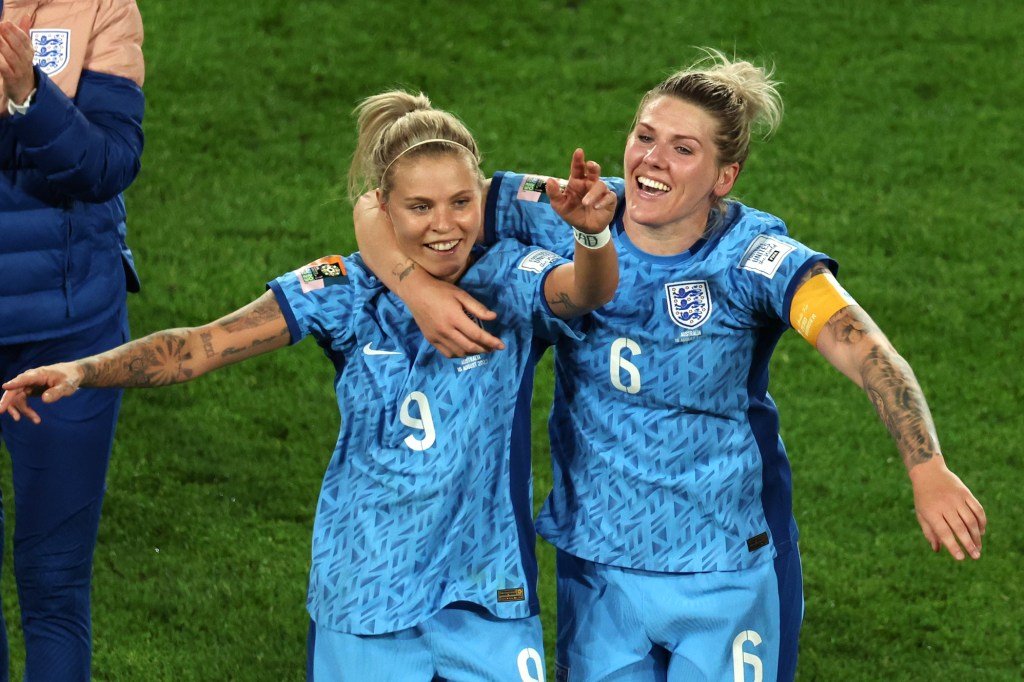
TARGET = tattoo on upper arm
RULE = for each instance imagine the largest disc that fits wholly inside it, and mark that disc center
(256, 343)
(256, 314)
(562, 302)
(850, 325)
(818, 268)
(403, 270)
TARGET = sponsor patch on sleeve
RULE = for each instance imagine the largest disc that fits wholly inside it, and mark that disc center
(538, 261)
(765, 254)
(533, 188)
(327, 271)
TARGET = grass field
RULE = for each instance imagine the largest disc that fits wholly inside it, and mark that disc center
(899, 156)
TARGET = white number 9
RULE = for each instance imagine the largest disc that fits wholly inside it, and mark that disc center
(425, 422)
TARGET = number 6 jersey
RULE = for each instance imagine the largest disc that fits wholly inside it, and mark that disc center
(665, 442)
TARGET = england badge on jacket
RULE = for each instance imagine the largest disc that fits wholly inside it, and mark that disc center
(52, 46)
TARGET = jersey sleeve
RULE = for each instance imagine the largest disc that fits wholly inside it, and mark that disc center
(767, 271)
(523, 270)
(318, 299)
(518, 208)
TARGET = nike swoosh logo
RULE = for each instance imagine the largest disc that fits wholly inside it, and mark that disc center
(369, 350)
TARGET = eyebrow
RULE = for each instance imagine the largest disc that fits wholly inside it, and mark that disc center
(420, 200)
(673, 138)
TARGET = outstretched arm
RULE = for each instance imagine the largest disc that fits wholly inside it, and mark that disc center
(587, 204)
(949, 514)
(166, 357)
(441, 310)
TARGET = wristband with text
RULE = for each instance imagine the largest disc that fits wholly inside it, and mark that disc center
(592, 241)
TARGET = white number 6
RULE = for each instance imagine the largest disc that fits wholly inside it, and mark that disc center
(741, 658)
(620, 364)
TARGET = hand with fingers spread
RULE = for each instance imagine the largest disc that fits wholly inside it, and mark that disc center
(16, 54)
(52, 383)
(585, 202)
(950, 516)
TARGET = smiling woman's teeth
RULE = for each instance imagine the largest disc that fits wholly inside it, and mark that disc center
(647, 183)
(443, 246)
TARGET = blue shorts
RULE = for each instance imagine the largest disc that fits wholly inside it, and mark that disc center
(630, 625)
(461, 642)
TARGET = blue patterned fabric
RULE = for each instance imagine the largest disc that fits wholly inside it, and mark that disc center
(665, 441)
(427, 498)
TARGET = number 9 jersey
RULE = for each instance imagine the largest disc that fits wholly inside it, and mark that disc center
(427, 499)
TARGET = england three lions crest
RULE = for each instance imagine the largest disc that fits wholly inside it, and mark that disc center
(689, 303)
(51, 47)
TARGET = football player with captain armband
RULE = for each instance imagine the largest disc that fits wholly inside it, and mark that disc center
(671, 506)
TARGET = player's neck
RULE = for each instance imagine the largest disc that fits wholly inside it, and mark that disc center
(664, 240)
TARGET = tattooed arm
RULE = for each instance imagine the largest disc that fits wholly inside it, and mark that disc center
(949, 514)
(166, 357)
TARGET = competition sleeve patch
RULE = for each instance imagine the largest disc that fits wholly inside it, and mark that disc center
(328, 271)
(764, 255)
(538, 261)
(533, 189)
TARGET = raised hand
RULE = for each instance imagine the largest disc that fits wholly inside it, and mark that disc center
(585, 202)
(16, 55)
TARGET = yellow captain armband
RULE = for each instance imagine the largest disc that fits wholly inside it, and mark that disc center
(814, 304)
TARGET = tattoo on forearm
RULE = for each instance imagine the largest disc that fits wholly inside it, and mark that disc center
(897, 397)
(891, 385)
(157, 360)
(207, 338)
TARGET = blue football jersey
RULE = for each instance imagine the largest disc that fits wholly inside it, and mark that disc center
(427, 498)
(665, 441)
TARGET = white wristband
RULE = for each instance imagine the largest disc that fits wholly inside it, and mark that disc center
(592, 241)
(22, 108)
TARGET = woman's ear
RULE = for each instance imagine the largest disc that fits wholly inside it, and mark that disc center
(726, 179)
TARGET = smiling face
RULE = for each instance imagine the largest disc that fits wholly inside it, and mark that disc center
(672, 171)
(435, 206)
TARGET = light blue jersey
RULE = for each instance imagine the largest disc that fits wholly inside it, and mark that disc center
(665, 442)
(427, 498)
